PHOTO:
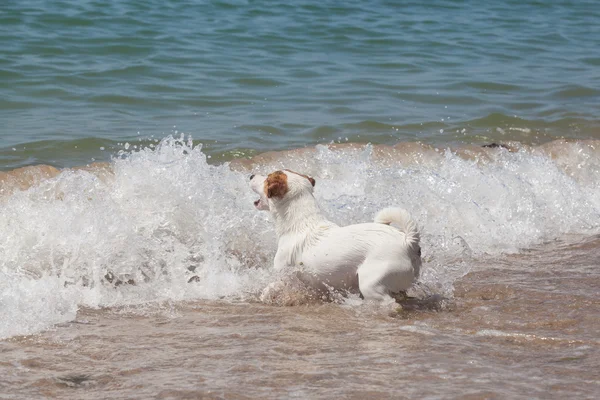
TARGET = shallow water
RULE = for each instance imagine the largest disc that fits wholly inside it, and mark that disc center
(522, 327)
(141, 277)
(163, 216)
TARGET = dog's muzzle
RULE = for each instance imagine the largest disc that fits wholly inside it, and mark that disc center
(257, 183)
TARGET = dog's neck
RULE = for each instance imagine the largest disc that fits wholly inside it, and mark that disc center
(296, 216)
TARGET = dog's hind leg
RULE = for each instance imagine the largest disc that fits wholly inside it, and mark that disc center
(371, 283)
(383, 280)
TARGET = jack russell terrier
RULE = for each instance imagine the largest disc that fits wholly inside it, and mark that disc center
(379, 260)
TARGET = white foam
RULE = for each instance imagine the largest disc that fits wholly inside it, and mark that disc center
(420, 328)
(30, 305)
(167, 216)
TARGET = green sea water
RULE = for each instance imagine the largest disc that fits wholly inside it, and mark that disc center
(80, 80)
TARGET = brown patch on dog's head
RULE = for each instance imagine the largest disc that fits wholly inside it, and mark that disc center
(276, 184)
(311, 180)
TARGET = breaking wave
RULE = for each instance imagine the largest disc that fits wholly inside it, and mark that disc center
(162, 224)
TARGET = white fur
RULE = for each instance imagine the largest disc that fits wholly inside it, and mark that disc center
(378, 259)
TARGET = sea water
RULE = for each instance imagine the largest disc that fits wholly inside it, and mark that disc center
(132, 257)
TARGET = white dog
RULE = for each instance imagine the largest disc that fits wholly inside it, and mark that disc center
(375, 258)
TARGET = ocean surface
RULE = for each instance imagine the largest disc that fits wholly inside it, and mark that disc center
(132, 257)
(248, 76)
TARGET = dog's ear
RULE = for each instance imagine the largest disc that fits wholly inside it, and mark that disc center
(276, 184)
(310, 179)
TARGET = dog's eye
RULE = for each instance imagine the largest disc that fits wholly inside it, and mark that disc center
(252, 176)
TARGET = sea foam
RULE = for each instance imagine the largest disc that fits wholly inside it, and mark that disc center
(166, 225)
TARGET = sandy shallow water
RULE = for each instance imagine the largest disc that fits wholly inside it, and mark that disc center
(517, 329)
(507, 304)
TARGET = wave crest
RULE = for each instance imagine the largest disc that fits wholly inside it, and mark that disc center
(163, 224)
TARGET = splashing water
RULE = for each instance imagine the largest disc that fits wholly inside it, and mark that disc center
(167, 226)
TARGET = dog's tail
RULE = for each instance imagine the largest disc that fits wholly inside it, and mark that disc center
(403, 220)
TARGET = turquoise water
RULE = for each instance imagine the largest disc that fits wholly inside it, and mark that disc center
(79, 79)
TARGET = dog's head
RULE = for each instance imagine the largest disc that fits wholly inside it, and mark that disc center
(279, 186)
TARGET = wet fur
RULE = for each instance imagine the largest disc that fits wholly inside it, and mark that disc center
(377, 259)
